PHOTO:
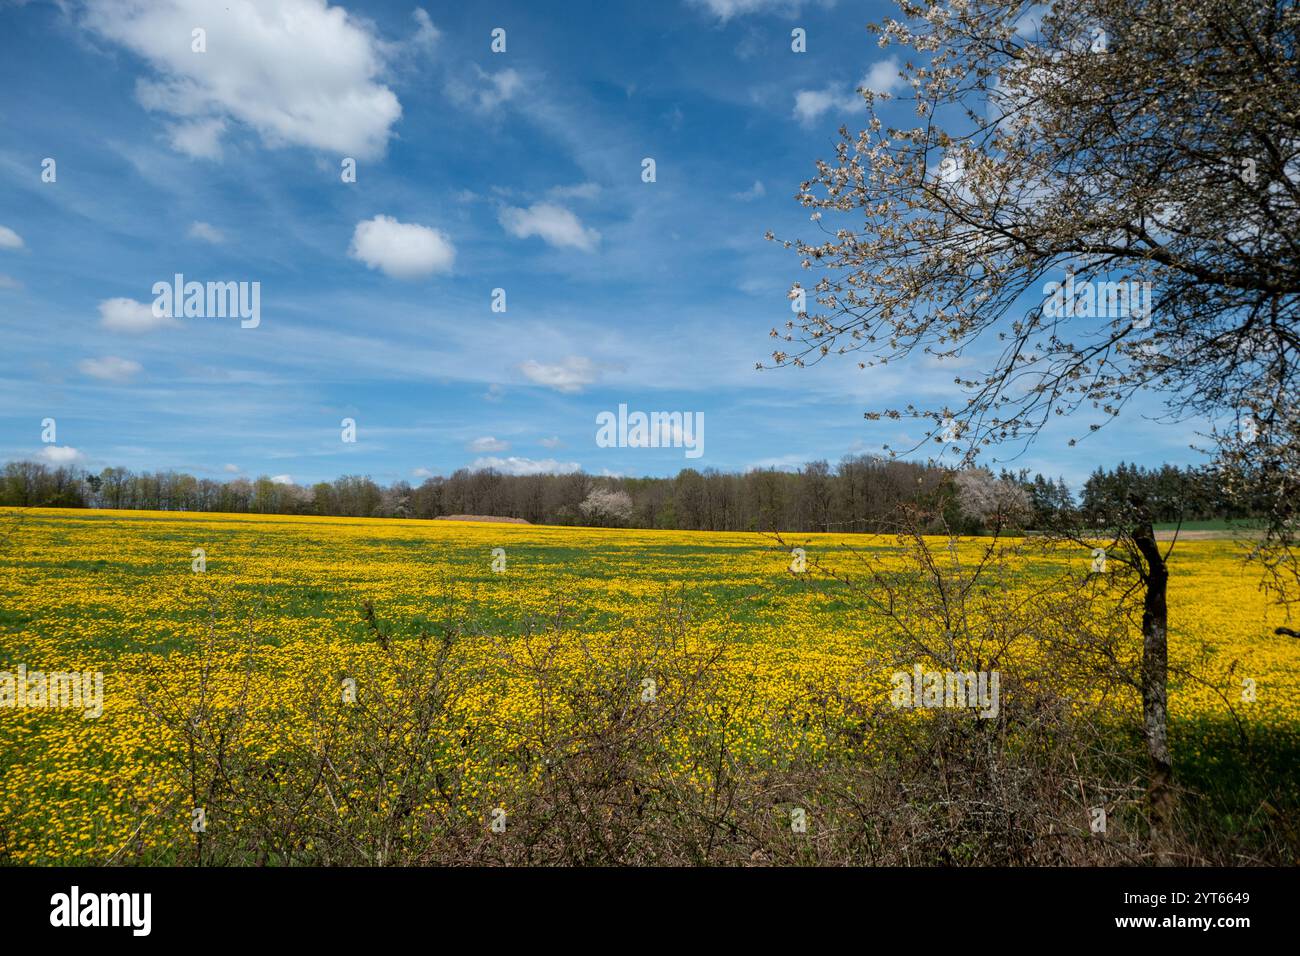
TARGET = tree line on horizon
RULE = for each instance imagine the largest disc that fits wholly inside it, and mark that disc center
(861, 493)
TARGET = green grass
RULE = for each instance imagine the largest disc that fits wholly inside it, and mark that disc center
(1213, 524)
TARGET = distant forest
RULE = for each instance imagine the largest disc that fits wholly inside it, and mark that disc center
(859, 494)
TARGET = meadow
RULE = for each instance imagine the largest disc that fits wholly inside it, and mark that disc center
(263, 639)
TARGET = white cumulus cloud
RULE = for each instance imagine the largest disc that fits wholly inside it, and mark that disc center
(527, 466)
(297, 72)
(402, 250)
(60, 454)
(10, 239)
(553, 224)
(128, 315)
(809, 105)
(883, 77)
(488, 443)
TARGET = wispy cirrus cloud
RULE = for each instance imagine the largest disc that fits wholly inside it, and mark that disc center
(110, 368)
(726, 10)
(207, 232)
(485, 92)
(573, 374)
(587, 190)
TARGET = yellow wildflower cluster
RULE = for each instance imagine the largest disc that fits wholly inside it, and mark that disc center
(190, 614)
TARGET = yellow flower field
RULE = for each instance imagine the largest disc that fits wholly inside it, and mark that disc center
(119, 593)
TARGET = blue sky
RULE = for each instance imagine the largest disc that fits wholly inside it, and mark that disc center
(476, 170)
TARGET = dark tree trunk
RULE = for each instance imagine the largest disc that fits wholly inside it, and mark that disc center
(1155, 685)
